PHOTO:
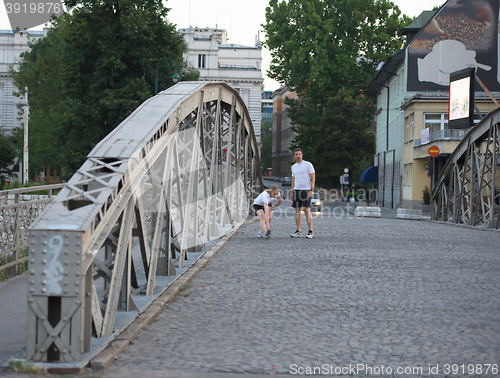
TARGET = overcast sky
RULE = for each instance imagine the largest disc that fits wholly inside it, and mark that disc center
(242, 19)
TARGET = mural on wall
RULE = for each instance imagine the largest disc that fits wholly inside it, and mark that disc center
(463, 34)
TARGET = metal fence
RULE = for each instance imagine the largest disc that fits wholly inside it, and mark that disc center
(18, 210)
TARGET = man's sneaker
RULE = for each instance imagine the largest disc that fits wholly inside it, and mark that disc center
(260, 234)
(268, 234)
(296, 234)
(310, 234)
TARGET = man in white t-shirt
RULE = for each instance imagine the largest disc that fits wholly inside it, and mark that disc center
(303, 180)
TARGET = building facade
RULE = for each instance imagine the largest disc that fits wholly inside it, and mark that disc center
(237, 65)
(282, 155)
(12, 44)
(412, 88)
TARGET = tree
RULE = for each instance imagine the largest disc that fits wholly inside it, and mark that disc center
(320, 46)
(8, 155)
(340, 139)
(267, 143)
(95, 66)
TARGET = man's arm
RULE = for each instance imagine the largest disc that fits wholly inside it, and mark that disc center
(291, 187)
(313, 182)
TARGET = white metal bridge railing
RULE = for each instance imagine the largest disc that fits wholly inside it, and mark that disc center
(18, 210)
(175, 175)
(468, 189)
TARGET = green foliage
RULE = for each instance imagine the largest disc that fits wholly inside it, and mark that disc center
(8, 155)
(426, 196)
(95, 66)
(340, 139)
(21, 366)
(319, 47)
(266, 138)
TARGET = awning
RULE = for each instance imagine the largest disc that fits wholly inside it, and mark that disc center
(370, 175)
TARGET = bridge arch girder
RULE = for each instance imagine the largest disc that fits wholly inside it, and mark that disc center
(468, 188)
(175, 175)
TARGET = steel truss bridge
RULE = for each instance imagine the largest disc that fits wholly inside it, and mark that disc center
(170, 179)
(467, 190)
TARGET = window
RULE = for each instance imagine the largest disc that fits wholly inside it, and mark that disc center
(409, 127)
(435, 122)
(410, 182)
(202, 61)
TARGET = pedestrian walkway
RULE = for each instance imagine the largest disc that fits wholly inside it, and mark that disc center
(366, 296)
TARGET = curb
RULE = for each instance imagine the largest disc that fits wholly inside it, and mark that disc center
(106, 357)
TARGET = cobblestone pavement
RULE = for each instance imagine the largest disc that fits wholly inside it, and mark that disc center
(375, 292)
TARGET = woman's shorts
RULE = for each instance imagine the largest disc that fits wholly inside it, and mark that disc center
(258, 207)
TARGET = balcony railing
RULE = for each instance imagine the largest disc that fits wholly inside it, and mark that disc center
(442, 135)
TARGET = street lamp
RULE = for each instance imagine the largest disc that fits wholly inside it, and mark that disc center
(175, 76)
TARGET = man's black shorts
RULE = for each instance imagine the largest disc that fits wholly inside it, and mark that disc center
(301, 198)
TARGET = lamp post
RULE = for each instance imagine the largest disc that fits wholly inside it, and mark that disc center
(175, 76)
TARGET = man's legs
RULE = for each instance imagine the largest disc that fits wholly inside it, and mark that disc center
(298, 218)
(309, 217)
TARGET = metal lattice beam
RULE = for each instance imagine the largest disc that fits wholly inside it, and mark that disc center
(174, 175)
(468, 189)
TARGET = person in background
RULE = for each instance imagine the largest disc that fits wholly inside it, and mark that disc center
(264, 208)
(303, 181)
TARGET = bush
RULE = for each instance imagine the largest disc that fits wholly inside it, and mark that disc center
(427, 196)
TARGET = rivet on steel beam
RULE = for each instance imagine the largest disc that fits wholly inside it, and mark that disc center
(31, 300)
(44, 282)
(64, 351)
(32, 282)
(42, 350)
(43, 317)
(44, 262)
(65, 291)
(77, 283)
(78, 263)
(32, 251)
(66, 262)
(77, 291)
(66, 283)
(77, 274)
(32, 242)
(32, 261)
(53, 334)
(32, 290)
(44, 273)
(32, 272)
(44, 251)
(44, 290)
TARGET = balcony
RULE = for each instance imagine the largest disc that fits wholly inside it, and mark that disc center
(442, 135)
(445, 140)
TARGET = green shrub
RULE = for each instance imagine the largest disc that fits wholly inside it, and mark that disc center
(427, 196)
